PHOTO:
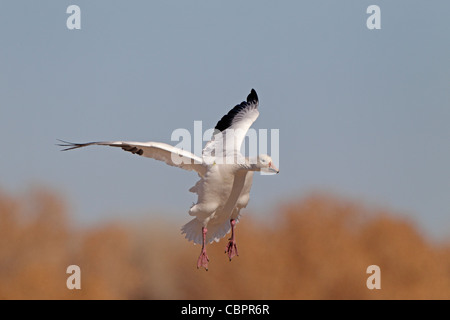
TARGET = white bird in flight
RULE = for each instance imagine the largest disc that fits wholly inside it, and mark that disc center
(224, 185)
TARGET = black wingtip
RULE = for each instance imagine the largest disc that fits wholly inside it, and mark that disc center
(227, 120)
(68, 145)
(252, 96)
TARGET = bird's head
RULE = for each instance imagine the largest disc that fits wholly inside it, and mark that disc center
(265, 164)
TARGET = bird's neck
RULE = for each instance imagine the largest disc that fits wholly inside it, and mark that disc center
(249, 167)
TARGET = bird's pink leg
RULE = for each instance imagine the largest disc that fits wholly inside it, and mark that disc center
(231, 248)
(203, 258)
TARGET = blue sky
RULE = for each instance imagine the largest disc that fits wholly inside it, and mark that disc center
(361, 113)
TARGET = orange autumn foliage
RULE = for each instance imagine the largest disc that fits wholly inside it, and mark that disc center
(315, 248)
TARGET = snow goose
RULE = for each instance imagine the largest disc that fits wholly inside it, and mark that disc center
(224, 185)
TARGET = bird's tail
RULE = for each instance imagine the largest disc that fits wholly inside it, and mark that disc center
(216, 231)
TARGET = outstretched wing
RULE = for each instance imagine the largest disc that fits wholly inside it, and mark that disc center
(156, 150)
(234, 125)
